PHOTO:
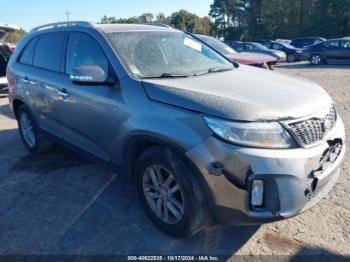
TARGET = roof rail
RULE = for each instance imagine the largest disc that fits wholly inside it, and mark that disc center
(61, 24)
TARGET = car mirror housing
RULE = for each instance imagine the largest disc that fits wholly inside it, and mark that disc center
(91, 75)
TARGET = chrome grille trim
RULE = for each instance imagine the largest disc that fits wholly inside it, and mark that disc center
(313, 130)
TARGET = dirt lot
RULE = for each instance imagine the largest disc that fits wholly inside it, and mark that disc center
(63, 204)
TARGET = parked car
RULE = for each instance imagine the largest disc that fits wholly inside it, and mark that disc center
(252, 59)
(306, 41)
(5, 52)
(335, 51)
(204, 141)
(293, 53)
(284, 41)
(251, 47)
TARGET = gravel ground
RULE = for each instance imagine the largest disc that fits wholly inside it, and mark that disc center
(62, 204)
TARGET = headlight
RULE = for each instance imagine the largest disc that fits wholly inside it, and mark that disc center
(252, 134)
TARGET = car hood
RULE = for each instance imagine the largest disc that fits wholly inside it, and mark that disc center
(245, 93)
(251, 58)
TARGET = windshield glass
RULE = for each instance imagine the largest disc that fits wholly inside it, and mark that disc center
(287, 45)
(157, 53)
(217, 45)
(260, 46)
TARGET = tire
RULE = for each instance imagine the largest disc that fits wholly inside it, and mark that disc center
(291, 58)
(30, 133)
(316, 59)
(193, 216)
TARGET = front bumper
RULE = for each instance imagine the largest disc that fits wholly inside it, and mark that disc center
(288, 175)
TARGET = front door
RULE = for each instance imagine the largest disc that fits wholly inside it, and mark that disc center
(90, 115)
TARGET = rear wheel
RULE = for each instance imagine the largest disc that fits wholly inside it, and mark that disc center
(31, 136)
(291, 58)
(316, 59)
(170, 193)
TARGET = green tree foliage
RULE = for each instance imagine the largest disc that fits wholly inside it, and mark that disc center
(257, 19)
(189, 22)
(182, 20)
(15, 37)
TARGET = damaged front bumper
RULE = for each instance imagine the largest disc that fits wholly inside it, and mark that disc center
(294, 179)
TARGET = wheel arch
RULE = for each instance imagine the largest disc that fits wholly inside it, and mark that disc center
(16, 103)
(140, 142)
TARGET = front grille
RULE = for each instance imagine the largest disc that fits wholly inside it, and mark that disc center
(311, 131)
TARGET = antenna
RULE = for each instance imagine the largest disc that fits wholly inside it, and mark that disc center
(68, 14)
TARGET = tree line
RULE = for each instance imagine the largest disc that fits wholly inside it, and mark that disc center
(259, 19)
(271, 19)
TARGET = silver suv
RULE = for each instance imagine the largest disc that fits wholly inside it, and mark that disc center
(205, 141)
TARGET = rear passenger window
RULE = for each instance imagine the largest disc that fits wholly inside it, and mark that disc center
(84, 51)
(27, 55)
(49, 52)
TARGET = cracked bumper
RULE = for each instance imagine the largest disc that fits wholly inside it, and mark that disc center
(288, 175)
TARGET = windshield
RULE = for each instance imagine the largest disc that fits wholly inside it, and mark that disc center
(287, 45)
(260, 46)
(217, 45)
(156, 53)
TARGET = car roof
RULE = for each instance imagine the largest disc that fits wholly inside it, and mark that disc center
(308, 37)
(106, 28)
(113, 28)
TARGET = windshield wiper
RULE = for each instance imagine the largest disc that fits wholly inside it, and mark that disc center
(213, 70)
(165, 75)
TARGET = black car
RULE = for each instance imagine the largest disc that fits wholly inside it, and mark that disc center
(251, 47)
(293, 53)
(306, 41)
(335, 50)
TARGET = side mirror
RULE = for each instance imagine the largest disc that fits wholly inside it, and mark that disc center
(91, 75)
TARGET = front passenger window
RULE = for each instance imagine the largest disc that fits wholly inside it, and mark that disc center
(82, 51)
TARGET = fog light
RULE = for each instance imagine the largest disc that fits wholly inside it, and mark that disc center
(257, 197)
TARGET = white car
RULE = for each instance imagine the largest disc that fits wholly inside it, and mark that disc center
(5, 53)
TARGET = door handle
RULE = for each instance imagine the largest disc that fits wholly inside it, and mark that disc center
(63, 93)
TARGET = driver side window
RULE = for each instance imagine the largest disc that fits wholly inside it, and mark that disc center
(83, 50)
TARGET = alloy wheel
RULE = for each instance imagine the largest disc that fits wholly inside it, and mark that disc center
(163, 194)
(27, 130)
(316, 60)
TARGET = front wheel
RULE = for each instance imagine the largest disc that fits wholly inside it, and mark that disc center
(316, 59)
(170, 193)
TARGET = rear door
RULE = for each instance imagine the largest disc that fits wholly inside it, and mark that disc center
(47, 66)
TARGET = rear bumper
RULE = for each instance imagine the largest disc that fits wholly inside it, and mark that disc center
(287, 174)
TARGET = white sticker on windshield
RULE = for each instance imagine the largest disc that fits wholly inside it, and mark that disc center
(193, 44)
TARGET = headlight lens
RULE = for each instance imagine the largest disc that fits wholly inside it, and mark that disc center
(252, 134)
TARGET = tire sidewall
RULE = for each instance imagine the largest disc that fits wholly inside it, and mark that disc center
(162, 157)
(21, 110)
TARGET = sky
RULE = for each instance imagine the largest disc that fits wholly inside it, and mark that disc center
(31, 13)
